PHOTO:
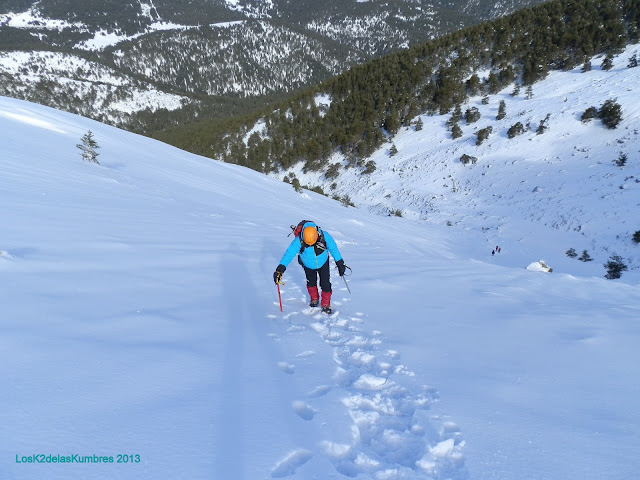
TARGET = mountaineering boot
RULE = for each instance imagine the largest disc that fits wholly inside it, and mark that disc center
(326, 302)
(313, 293)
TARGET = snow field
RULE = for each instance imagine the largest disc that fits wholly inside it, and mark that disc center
(391, 434)
(140, 317)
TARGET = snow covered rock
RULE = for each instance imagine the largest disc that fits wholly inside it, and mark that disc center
(540, 266)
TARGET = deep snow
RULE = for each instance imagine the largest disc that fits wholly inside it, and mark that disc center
(140, 318)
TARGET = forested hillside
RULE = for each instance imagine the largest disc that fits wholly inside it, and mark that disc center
(244, 59)
(355, 112)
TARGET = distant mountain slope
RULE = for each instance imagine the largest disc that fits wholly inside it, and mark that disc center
(77, 84)
(249, 58)
(178, 47)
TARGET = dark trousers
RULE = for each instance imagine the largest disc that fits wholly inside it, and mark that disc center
(322, 272)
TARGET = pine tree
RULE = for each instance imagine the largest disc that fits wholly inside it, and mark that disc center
(610, 113)
(633, 61)
(493, 83)
(529, 92)
(393, 150)
(333, 171)
(615, 266)
(419, 124)
(544, 125)
(473, 85)
(369, 167)
(516, 129)
(621, 161)
(502, 110)
(589, 114)
(607, 63)
(472, 115)
(483, 134)
(457, 113)
(296, 185)
(88, 148)
(466, 159)
(585, 257)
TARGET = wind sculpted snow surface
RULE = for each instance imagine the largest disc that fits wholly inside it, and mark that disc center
(140, 322)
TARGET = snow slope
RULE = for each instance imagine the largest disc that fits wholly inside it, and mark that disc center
(140, 319)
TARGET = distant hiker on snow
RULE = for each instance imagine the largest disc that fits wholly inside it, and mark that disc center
(313, 245)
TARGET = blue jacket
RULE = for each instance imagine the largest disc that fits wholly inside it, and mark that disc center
(308, 255)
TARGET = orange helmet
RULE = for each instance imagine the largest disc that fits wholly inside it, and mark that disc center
(310, 235)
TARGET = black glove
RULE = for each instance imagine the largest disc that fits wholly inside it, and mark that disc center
(341, 266)
(277, 275)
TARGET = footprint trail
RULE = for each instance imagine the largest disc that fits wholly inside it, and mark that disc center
(391, 434)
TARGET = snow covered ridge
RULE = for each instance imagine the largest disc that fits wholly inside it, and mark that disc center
(56, 66)
(33, 19)
(261, 9)
(75, 80)
(565, 183)
(103, 39)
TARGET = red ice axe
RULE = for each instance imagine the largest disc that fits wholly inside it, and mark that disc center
(279, 296)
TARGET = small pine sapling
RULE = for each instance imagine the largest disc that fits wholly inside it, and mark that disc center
(483, 134)
(585, 257)
(607, 63)
(589, 114)
(529, 92)
(502, 110)
(621, 161)
(88, 147)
